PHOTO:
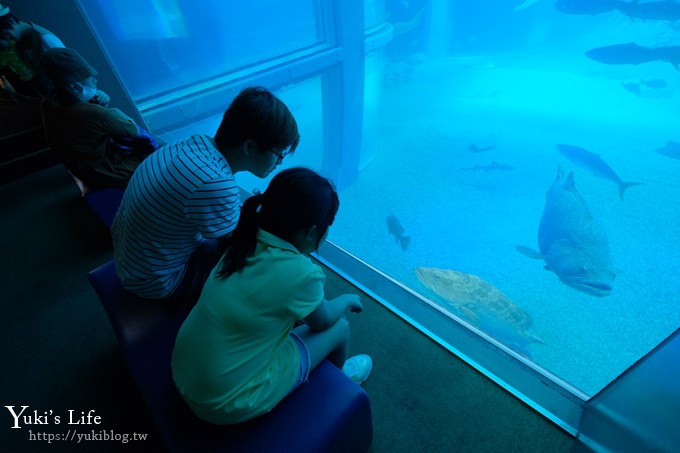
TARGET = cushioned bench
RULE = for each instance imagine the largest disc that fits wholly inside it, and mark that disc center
(328, 414)
(104, 202)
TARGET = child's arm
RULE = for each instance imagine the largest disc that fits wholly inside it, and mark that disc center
(330, 311)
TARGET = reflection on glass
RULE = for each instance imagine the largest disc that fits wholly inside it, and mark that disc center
(161, 45)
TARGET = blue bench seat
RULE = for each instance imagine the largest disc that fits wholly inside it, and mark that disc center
(104, 201)
(330, 413)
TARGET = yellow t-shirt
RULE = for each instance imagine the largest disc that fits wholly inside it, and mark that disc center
(234, 358)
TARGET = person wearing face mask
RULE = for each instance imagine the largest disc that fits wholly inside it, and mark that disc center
(79, 125)
(22, 44)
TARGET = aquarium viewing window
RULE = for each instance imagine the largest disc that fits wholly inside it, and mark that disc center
(508, 171)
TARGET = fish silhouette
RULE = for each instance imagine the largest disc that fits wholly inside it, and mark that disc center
(492, 166)
(660, 10)
(587, 7)
(478, 149)
(524, 5)
(598, 167)
(395, 229)
(634, 54)
(670, 149)
(573, 244)
(651, 84)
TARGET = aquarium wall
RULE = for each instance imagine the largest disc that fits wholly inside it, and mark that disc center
(507, 170)
(638, 411)
(525, 181)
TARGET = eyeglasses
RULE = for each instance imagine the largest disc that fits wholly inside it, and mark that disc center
(280, 156)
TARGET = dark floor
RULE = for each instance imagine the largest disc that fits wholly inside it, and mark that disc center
(59, 353)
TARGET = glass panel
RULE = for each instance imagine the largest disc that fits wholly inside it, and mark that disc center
(161, 45)
(374, 13)
(464, 129)
(305, 102)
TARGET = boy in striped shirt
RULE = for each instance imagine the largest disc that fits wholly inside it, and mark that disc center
(182, 201)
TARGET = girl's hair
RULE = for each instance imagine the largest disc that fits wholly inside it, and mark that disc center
(7, 22)
(296, 200)
(256, 114)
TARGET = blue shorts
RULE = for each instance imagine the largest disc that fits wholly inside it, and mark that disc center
(303, 372)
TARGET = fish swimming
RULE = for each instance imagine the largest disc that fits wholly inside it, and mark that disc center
(633, 87)
(492, 166)
(661, 10)
(573, 244)
(594, 163)
(651, 84)
(525, 4)
(481, 304)
(587, 7)
(670, 149)
(655, 83)
(634, 54)
(478, 149)
(395, 229)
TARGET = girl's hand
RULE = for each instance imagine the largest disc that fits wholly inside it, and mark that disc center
(353, 302)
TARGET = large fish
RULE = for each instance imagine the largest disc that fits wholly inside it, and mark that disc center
(481, 304)
(594, 163)
(572, 242)
(634, 54)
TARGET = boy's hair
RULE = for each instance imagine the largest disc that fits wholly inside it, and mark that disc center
(256, 114)
(296, 200)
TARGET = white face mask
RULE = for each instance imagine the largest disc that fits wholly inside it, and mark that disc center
(88, 93)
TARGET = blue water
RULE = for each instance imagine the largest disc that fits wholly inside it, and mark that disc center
(521, 96)
(456, 75)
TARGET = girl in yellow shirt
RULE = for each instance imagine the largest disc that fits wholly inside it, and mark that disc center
(238, 353)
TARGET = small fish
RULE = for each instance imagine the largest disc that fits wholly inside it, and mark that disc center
(492, 166)
(633, 87)
(478, 149)
(655, 83)
(524, 5)
(395, 229)
(668, 10)
(670, 149)
(598, 167)
(587, 7)
(651, 84)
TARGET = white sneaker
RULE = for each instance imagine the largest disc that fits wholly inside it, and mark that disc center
(358, 368)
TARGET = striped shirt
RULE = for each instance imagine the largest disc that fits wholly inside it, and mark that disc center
(179, 195)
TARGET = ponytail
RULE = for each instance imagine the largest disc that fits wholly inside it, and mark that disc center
(296, 200)
(243, 239)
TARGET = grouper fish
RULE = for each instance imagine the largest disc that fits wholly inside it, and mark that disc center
(594, 163)
(482, 305)
(573, 244)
